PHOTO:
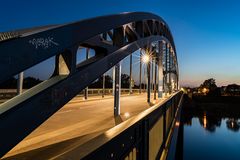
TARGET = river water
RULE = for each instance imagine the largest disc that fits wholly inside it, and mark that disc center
(211, 135)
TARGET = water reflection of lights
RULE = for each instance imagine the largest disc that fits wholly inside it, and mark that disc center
(232, 124)
(204, 120)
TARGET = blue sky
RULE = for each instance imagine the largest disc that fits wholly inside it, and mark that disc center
(206, 32)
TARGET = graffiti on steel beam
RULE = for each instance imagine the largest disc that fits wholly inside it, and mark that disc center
(44, 43)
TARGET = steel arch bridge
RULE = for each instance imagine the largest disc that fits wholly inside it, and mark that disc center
(112, 37)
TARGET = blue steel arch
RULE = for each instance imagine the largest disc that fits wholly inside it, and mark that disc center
(22, 49)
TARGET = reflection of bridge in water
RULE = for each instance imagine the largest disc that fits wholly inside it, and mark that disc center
(151, 119)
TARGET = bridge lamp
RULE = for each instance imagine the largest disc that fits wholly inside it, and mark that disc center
(127, 115)
(145, 58)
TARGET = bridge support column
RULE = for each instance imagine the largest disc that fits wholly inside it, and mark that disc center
(117, 89)
(160, 70)
(86, 89)
(130, 76)
(178, 87)
(113, 79)
(103, 87)
(169, 69)
(118, 40)
(166, 76)
(65, 63)
(165, 69)
(152, 74)
(20, 83)
(148, 82)
(155, 80)
(140, 73)
(86, 93)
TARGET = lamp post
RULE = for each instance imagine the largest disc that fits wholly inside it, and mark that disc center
(146, 60)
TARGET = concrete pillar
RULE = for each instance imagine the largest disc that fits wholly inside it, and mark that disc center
(130, 76)
(117, 89)
(20, 83)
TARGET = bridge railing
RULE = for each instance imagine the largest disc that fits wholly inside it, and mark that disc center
(145, 136)
(10, 93)
(99, 91)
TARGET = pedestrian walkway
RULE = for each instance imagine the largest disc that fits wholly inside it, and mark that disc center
(82, 119)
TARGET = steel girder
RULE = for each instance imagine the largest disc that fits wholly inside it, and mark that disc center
(22, 114)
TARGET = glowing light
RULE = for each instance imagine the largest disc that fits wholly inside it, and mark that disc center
(126, 115)
(205, 90)
(177, 124)
(145, 58)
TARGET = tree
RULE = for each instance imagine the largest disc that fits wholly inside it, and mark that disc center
(210, 88)
(11, 83)
(30, 82)
(125, 81)
(99, 82)
(209, 84)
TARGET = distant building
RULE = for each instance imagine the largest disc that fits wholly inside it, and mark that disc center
(232, 90)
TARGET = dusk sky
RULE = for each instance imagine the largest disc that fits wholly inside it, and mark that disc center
(206, 32)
